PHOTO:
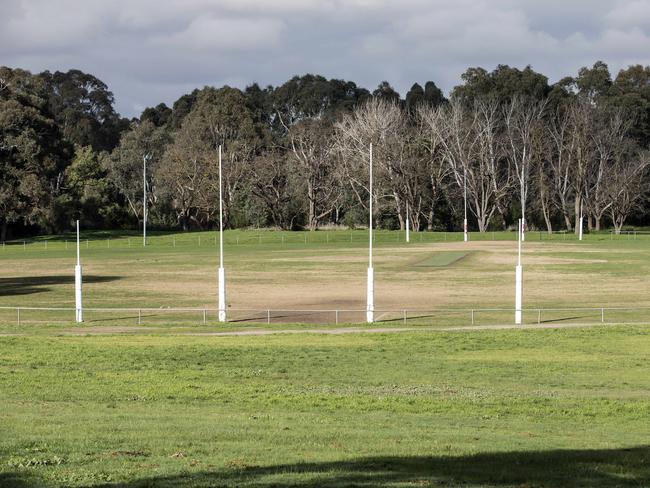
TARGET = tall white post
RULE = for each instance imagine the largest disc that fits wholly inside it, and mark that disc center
(465, 236)
(222, 272)
(580, 229)
(78, 306)
(144, 200)
(519, 278)
(370, 307)
(408, 226)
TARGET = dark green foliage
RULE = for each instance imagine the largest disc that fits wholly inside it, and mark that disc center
(160, 115)
(312, 96)
(82, 107)
(181, 108)
(65, 153)
(502, 83)
(33, 154)
(386, 92)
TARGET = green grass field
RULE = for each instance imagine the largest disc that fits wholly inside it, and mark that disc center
(484, 409)
(171, 403)
(437, 278)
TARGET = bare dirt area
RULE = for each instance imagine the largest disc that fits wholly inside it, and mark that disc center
(103, 330)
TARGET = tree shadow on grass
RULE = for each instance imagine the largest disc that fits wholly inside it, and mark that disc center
(27, 285)
(558, 468)
(18, 480)
(602, 468)
(565, 319)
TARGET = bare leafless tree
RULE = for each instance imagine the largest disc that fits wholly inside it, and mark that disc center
(560, 164)
(626, 186)
(609, 135)
(581, 151)
(381, 123)
(313, 147)
(469, 142)
(543, 174)
(522, 120)
(438, 171)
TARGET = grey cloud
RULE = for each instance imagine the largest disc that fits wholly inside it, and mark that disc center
(149, 51)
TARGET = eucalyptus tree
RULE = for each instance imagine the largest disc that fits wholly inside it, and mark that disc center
(83, 107)
(185, 175)
(33, 155)
(125, 165)
(223, 117)
(305, 109)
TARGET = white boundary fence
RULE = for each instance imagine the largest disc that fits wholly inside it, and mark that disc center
(414, 317)
(210, 239)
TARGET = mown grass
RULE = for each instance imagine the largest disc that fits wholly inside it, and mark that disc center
(489, 409)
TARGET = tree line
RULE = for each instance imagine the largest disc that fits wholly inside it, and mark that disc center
(504, 144)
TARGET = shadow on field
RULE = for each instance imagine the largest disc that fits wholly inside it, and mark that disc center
(27, 285)
(564, 319)
(19, 480)
(602, 468)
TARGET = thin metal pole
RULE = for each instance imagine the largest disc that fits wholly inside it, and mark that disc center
(370, 304)
(465, 237)
(370, 214)
(144, 199)
(78, 258)
(220, 215)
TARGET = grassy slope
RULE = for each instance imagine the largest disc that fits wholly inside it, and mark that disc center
(511, 408)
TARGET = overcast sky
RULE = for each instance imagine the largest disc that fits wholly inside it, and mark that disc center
(151, 51)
